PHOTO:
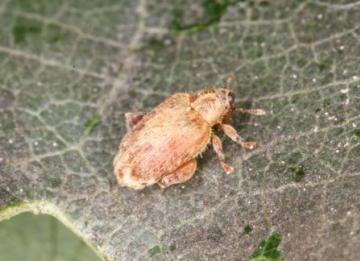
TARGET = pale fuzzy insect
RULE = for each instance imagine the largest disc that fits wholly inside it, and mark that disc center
(161, 146)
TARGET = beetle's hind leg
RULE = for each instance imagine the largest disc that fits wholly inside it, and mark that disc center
(181, 175)
(217, 145)
(132, 118)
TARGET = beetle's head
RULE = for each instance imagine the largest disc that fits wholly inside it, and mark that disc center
(214, 104)
(226, 100)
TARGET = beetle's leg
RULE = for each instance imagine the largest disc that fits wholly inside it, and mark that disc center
(226, 118)
(181, 175)
(132, 118)
(257, 112)
(216, 142)
(232, 134)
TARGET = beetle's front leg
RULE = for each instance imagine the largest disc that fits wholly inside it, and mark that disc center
(216, 142)
(232, 134)
(257, 112)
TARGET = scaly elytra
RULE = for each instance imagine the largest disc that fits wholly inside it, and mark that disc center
(161, 146)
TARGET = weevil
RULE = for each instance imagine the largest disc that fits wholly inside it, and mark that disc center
(161, 146)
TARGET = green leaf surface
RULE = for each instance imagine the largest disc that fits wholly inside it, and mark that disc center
(40, 238)
(69, 68)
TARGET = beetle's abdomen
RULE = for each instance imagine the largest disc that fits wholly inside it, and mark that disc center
(163, 142)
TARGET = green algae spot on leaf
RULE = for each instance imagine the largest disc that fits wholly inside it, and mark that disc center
(356, 133)
(247, 229)
(91, 124)
(24, 28)
(268, 250)
(213, 11)
(161, 249)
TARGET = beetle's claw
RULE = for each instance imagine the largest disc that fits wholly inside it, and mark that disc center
(249, 145)
(228, 169)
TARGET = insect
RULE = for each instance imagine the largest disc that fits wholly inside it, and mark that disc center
(161, 146)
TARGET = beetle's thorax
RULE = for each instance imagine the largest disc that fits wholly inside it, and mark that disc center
(213, 104)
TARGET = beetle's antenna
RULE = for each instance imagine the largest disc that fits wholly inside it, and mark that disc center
(228, 81)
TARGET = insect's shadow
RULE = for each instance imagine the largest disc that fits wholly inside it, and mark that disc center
(238, 119)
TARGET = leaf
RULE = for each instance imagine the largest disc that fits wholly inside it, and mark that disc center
(30, 237)
(62, 62)
(267, 250)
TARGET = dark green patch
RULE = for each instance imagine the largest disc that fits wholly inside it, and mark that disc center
(172, 247)
(321, 66)
(298, 173)
(264, 3)
(53, 33)
(247, 229)
(326, 103)
(295, 99)
(54, 182)
(154, 44)
(213, 11)
(268, 250)
(294, 158)
(294, 4)
(155, 250)
(91, 125)
(161, 249)
(356, 133)
(24, 28)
